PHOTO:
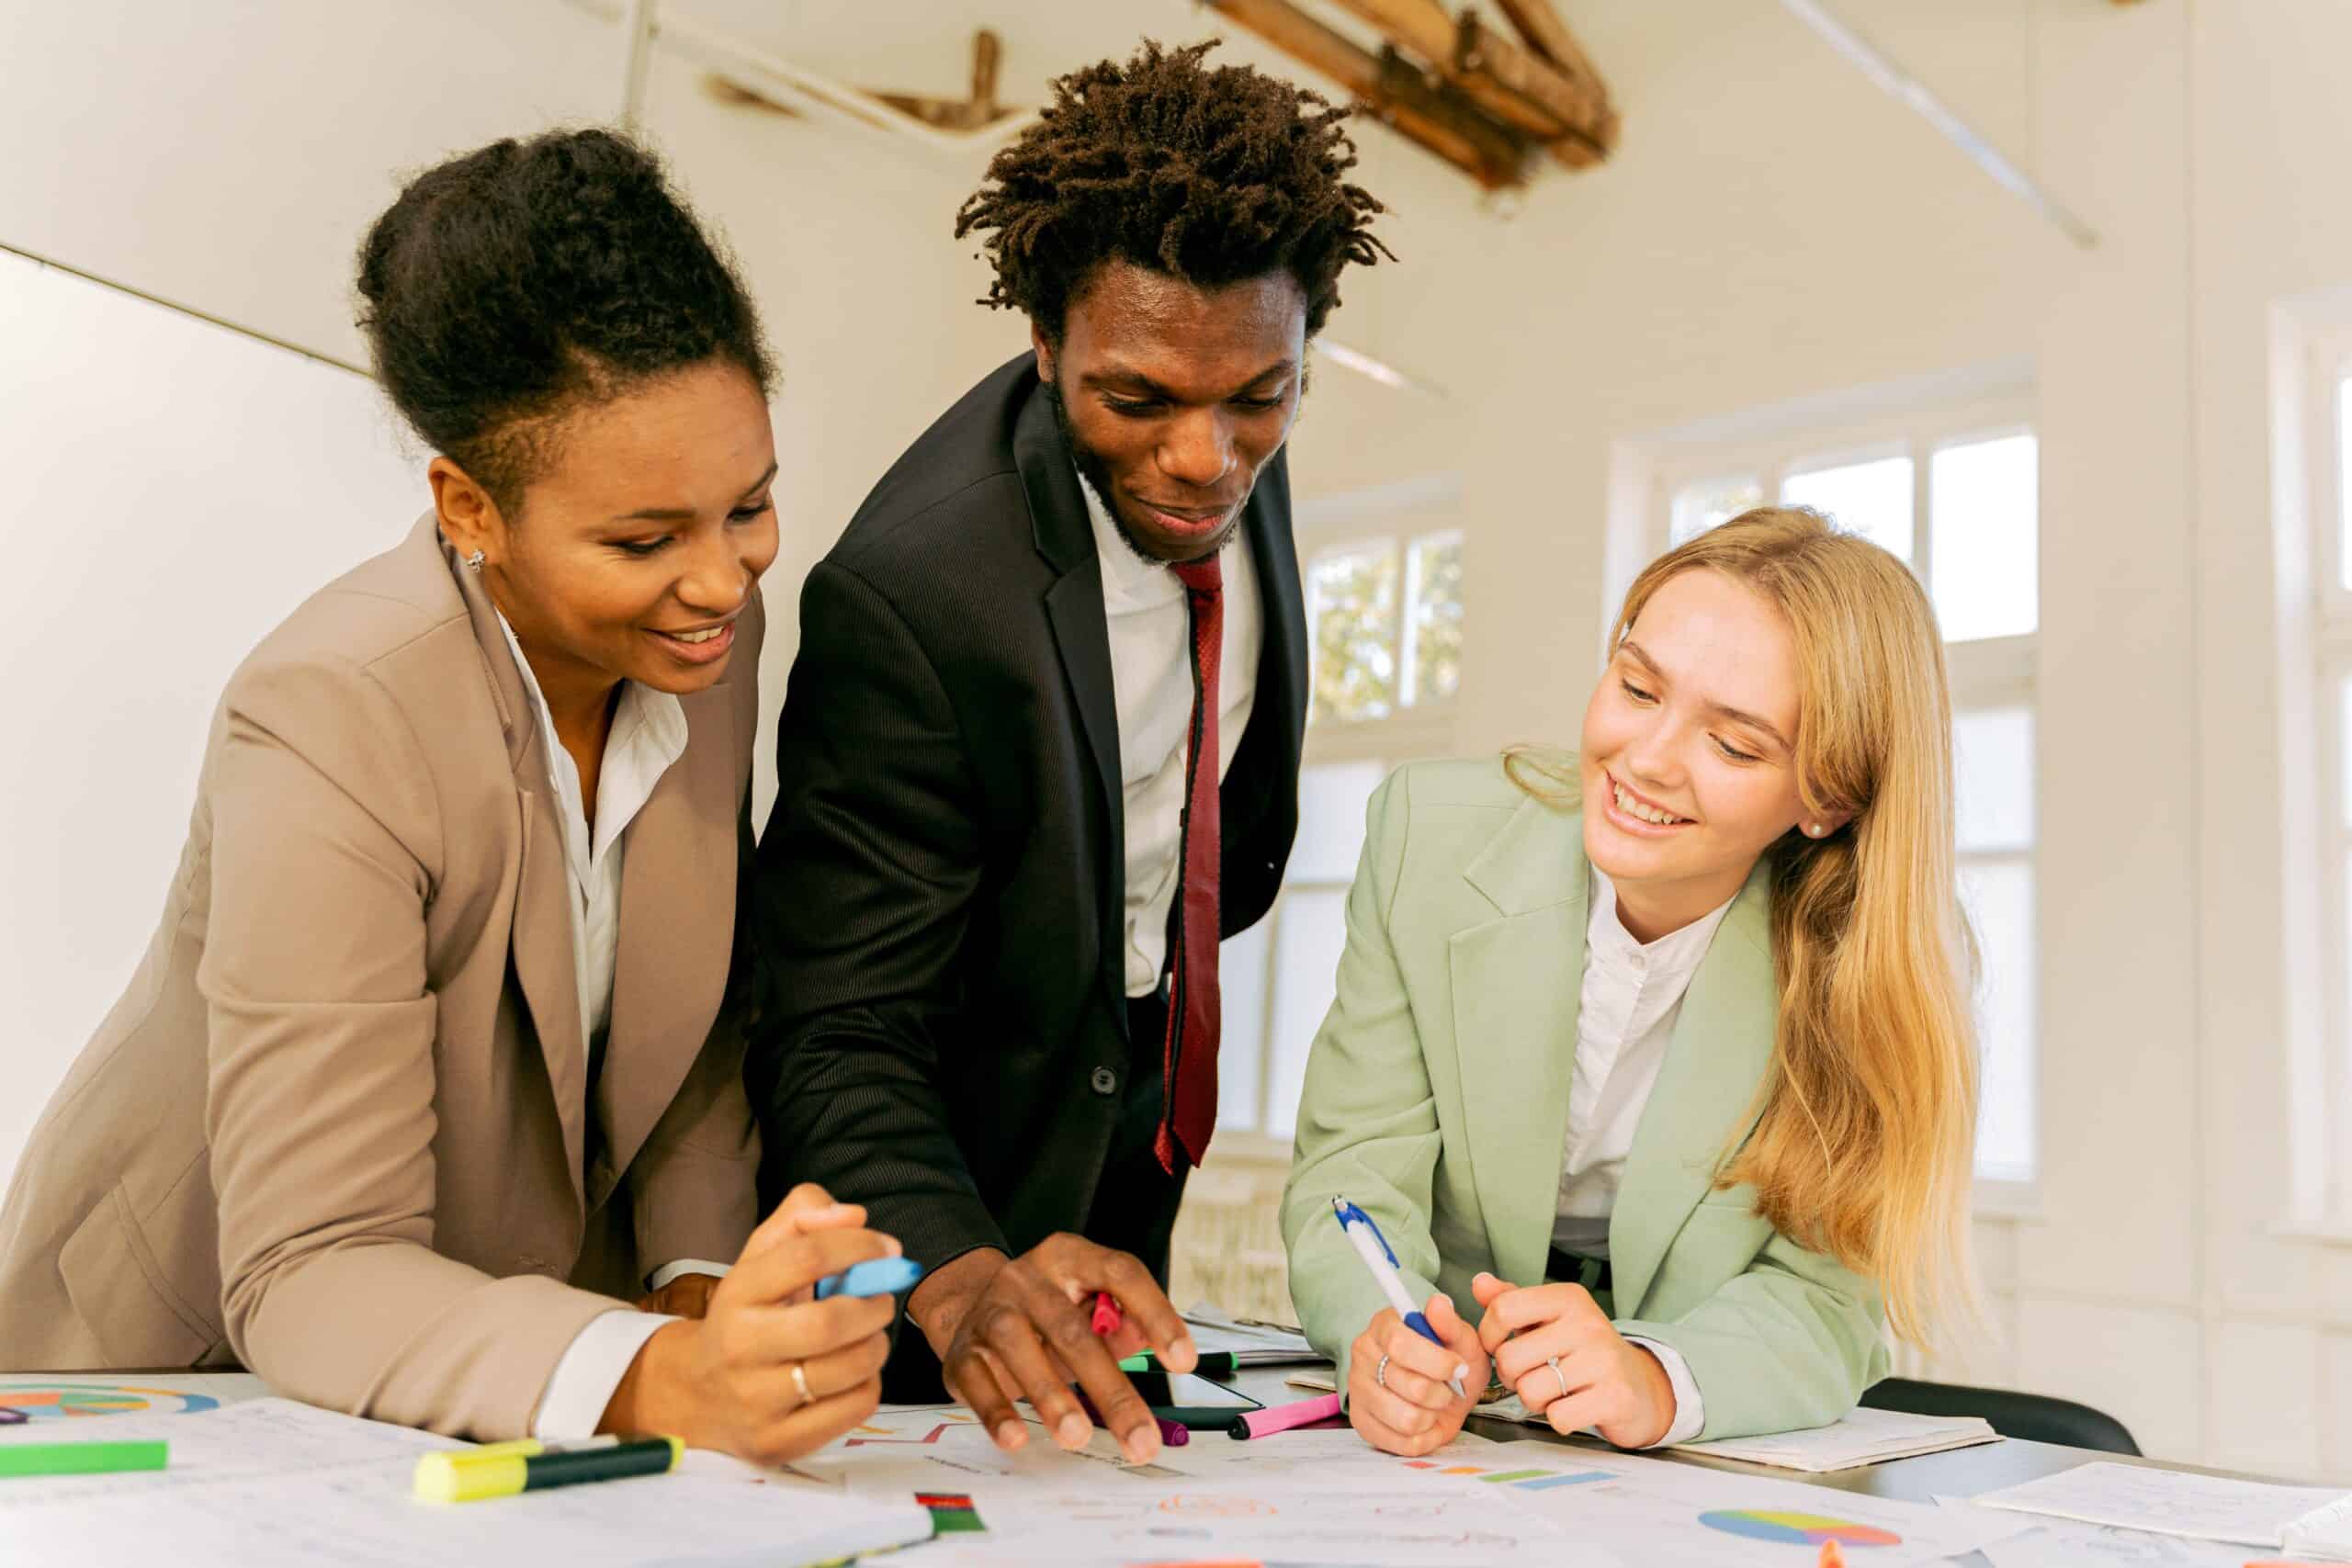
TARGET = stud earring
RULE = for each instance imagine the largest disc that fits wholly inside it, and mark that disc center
(1814, 829)
(474, 560)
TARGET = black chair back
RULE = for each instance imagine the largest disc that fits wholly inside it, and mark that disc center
(2036, 1417)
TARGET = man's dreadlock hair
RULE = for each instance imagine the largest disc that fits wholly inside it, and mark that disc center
(1213, 175)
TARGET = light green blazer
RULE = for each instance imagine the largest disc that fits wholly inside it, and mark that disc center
(1437, 1099)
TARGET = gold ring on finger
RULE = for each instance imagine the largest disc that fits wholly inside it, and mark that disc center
(801, 1382)
(1380, 1373)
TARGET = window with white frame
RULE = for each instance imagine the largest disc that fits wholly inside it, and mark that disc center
(1382, 573)
(1953, 490)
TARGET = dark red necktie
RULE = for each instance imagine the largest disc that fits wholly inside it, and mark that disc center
(1189, 1106)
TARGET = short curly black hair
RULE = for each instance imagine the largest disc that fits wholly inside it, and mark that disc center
(1213, 175)
(507, 285)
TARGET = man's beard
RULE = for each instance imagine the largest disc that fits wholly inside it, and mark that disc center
(1096, 473)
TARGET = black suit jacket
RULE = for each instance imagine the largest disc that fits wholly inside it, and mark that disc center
(941, 887)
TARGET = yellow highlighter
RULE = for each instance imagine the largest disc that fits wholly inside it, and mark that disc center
(525, 1464)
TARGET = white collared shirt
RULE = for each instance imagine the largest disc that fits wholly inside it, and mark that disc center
(1150, 627)
(648, 735)
(1625, 1014)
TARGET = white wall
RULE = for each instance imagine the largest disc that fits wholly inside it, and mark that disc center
(1774, 227)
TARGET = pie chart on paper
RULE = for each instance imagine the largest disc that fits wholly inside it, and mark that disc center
(56, 1401)
(1796, 1530)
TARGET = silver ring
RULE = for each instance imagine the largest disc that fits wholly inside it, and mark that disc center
(1554, 1362)
(1380, 1373)
(800, 1383)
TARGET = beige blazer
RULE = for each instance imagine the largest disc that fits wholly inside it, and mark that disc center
(339, 1126)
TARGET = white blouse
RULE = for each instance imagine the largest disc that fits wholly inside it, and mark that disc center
(1625, 1014)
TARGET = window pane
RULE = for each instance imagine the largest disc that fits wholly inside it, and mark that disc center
(1999, 898)
(1241, 1049)
(1331, 799)
(1352, 596)
(1437, 617)
(1984, 501)
(2344, 478)
(1871, 499)
(1699, 507)
(1993, 757)
(1307, 944)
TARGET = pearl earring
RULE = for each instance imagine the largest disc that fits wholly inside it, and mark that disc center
(474, 560)
(1815, 828)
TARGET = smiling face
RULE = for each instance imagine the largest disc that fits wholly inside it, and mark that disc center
(1173, 397)
(636, 548)
(1688, 757)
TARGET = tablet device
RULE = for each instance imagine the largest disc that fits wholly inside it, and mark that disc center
(1194, 1402)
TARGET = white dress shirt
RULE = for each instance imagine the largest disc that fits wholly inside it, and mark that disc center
(1633, 994)
(1150, 629)
(649, 734)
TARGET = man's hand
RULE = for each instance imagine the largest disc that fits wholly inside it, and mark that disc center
(1006, 1329)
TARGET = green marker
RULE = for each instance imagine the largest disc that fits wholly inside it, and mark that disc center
(1213, 1364)
(81, 1459)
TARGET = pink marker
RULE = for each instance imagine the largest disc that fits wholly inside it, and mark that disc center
(1283, 1417)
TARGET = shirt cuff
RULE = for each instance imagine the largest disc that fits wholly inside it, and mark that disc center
(591, 1367)
(1689, 1410)
(669, 1271)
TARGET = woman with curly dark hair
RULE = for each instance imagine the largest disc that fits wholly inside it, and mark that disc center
(1041, 747)
(431, 1067)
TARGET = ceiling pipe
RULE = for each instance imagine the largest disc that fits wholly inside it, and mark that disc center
(1900, 85)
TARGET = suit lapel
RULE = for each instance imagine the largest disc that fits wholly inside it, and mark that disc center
(1064, 538)
(1515, 984)
(1269, 758)
(1722, 1045)
(677, 908)
(541, 945)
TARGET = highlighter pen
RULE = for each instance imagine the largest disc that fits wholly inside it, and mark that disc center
(81, 1459)
(1284, 1417)
(1380, 1259)
(460, 1476)
(875, 1277)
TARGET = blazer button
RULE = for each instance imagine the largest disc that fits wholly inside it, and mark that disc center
(1105, 1081)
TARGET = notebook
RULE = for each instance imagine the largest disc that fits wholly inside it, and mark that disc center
(272, 1484)
(2311, 1522)
(1252, 1343)
(1866, 1437)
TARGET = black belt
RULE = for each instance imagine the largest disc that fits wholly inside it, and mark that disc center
(1592, 1273)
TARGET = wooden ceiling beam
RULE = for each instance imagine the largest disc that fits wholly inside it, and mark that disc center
(1392, 89)
(1511, 85)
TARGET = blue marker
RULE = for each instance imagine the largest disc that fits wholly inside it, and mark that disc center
(1378, 1257)
(875, 1277)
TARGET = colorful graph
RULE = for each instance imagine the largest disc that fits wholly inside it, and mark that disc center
(951, 1512)
(1796, 1530)
(60, 1400)
(1526, 1480)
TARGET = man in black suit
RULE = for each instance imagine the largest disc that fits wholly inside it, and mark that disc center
(1000, 860)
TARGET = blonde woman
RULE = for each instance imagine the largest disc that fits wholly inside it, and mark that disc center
(1653, 1061)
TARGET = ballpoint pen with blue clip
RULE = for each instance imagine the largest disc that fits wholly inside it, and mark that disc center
(1378, 1257)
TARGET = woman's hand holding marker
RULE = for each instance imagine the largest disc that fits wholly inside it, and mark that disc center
(1400, 1386)
(770, 1372)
